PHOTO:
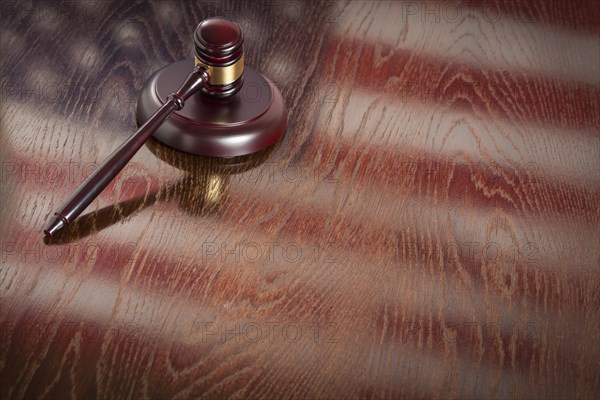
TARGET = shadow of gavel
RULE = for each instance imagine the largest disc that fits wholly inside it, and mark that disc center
(199, 192)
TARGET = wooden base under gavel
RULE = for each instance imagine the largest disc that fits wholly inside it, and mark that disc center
(252, 119)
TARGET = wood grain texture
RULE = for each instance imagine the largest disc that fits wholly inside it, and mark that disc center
(427, 228)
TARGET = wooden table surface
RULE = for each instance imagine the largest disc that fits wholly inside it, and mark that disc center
(427, 228)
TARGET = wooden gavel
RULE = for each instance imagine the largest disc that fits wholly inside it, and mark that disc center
(218, 72)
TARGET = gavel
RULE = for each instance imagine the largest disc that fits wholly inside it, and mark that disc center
(218, 120)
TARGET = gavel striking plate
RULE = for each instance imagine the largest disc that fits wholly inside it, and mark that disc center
(222, 109)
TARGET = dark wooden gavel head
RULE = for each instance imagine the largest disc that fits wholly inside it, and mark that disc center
(218, 47)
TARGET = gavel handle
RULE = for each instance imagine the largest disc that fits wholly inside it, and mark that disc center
(106, 172)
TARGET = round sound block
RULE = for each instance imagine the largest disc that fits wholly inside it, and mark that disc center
(250, 120)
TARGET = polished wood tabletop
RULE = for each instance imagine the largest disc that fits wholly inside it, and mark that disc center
(428, 227)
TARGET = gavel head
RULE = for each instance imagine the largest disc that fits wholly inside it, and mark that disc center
(217, 122)
(218, 48)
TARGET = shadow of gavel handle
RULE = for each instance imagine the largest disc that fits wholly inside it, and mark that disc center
(218, 72)
(106, 172)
